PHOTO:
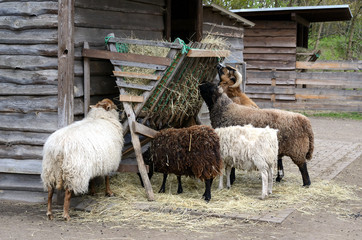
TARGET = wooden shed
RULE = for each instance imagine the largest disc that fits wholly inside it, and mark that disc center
(41, 69)
(270, 52)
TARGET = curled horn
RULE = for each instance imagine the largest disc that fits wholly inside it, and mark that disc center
(239, 80)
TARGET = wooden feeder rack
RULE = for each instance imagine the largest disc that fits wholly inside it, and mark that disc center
(154, 106)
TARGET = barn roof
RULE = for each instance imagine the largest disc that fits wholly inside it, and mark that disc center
(309, 13)
(231, 15)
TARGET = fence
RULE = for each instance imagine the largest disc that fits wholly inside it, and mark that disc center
(330, 86)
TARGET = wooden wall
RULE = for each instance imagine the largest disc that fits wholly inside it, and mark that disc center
(28, 75)
(270, 46)
(94, 19)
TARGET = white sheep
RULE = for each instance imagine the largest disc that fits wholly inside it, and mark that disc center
(249, 148)
(75, 154)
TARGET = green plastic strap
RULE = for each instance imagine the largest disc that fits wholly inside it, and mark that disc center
(185, 49)
(106, 39)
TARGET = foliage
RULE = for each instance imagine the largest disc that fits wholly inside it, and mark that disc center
(334, 36)
(346, 115)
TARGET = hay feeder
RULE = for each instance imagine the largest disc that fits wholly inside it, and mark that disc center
(168, 95)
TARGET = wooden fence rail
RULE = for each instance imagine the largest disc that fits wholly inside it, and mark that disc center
(330, 86)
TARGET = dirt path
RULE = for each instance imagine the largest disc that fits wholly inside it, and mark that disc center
(335, 138)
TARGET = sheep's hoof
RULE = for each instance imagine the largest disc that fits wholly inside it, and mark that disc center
(179, 191)
(207, 199)
(66, 217)
(50, 216)
(306, 186)
(279, 178)
(262, 197)
(110, 194)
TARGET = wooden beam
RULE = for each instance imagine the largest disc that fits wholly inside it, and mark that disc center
(65, 67)
(136, 75)
(130, 168)
(300, 20)
(130, 98)
(208, 53)
(86, 81)
(144, 130)
(122, 84)
(330, 65)
(130, 57)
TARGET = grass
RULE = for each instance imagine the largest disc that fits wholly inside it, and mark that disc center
(339, 115)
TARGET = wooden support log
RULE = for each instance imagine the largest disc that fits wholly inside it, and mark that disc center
(130, 98)
(122, 84)
(136, 75)
(130, 57)
(86, 80)
(144, 130)
(208, 53)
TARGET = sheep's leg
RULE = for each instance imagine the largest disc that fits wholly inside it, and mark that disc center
(109, 192)
(264, 179)
(221, 184)
(68, 195)
(232, 176)
(304, 171)
(50, 197)
(92, 188)
(280, 169)
(207, 194)
(179, 188)
(162, 189)
(227, 172)
(270, 180)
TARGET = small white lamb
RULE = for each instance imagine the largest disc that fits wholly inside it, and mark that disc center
(249, 148)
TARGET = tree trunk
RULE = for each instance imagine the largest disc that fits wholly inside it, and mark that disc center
(318, 36)
(351, 31)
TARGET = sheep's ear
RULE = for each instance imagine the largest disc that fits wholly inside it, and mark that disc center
(92, 106)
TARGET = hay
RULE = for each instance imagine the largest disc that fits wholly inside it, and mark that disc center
(242, 198)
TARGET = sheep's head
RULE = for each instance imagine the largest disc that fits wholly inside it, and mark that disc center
(229, 77)
(107, 104)
(210, 93)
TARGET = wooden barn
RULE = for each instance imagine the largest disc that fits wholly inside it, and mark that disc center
(274, 76)
(42, 67)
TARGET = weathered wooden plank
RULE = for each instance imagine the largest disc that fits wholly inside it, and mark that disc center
(340, 76)
(48, 50)
(136, 75)
(270, 42)
(333, 94)
(15, 89)
(21, 23)
(270, 90)
(118, 20)
(154, 7)
(28, 166)
(35, 121)
(25, 104)
(265, 57)
(345, 83)
(24, 196)
(96, 35)
(41, 77)
(264, 81)
(269, 65)
(208, 53)
(65, 102)
(31, 36)
(273, 24)
(326, 105)
(144, 130)
(164, 44)
(133, 86)
(21, 182)
(141, 65)
(86, 81)
(17, 137)
(28, 9)
(271, 50)
(236, 57)
(272, 74)
(130, 98)
(98, 68)
(222, 30)
(93, 53)
(27, 62)
(330, 65)
(272, 32)
(21, 152)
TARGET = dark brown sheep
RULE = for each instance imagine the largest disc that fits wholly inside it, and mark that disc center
(192, 151)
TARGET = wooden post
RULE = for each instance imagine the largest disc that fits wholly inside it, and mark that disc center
(65, 67)
(134, 137)
(86, 80)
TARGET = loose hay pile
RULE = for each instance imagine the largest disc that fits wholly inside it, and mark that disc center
(171, 210)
